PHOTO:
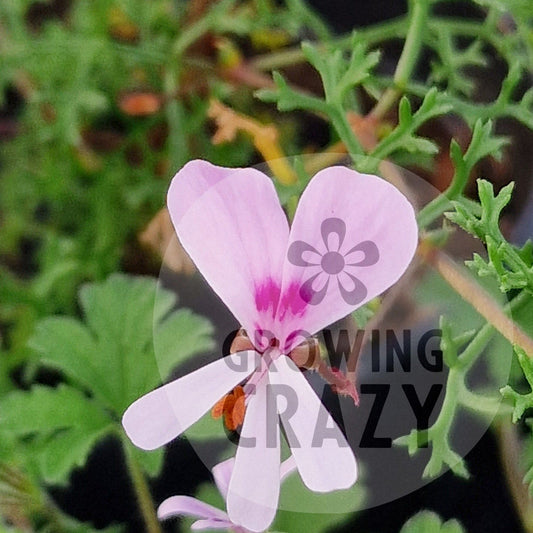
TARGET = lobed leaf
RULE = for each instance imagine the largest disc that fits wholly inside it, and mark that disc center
(128, 343)
(59, 426)
(429, 522)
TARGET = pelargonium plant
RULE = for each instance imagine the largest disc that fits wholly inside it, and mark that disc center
(376, 335)
(232, 225)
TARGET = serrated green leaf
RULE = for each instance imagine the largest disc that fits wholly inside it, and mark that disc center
(61, 425)
(288, 99)
(404, 137)
(420, 145)
(405, 115)
(521, 402)
(129, 344)
(66, 344)
(180, 335)
(510, 265)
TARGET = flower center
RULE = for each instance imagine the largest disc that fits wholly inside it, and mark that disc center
(332, 262)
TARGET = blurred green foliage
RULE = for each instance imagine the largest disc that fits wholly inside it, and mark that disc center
(109, 98)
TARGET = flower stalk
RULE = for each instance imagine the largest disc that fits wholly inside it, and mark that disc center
(477, 297)
(142, 491)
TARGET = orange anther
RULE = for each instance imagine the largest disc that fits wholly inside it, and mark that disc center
(232, 407)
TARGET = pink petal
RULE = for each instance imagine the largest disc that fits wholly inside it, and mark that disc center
(371, 209)
(222, 475)
(163, 414)
(200, 525)
(324, 459)
(188, 506)
(254, 487)
(231, 224)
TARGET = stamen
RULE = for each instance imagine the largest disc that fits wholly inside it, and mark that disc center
(241, 342)
(307, 354)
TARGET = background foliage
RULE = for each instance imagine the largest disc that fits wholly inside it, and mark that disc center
(103, 101)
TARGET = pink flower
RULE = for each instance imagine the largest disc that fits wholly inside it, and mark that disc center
(232, 225)
(210, 517)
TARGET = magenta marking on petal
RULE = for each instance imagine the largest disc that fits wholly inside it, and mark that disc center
(267, 296)
(294, 301)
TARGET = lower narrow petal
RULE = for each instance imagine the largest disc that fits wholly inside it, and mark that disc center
(323, 456)
(163, 414)
(254, 487)
(188, 506)
(222, 475)
(201, 525)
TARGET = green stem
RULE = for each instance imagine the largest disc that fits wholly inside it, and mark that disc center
(343, 128)
(418, 15)
(142, 491)
(455, 394)
(435, 208)
(441, 203)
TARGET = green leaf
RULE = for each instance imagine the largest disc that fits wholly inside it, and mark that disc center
(449, 70)
(358, 69)
(339, 76)
(455, 344)
(181, 335)
(521, 402)
(429, 522)
(288, 99)
(511, 266)
(127, 345)
(404, 137)
(129, 342)
(60, 427)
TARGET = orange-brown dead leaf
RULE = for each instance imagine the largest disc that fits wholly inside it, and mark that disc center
(160, 237)
(140, 104)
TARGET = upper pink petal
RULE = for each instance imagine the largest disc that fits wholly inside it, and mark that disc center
(370, 209)
(161, 415)
(231, 224)
(188, 506)
(254, 487)
(323, 456)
